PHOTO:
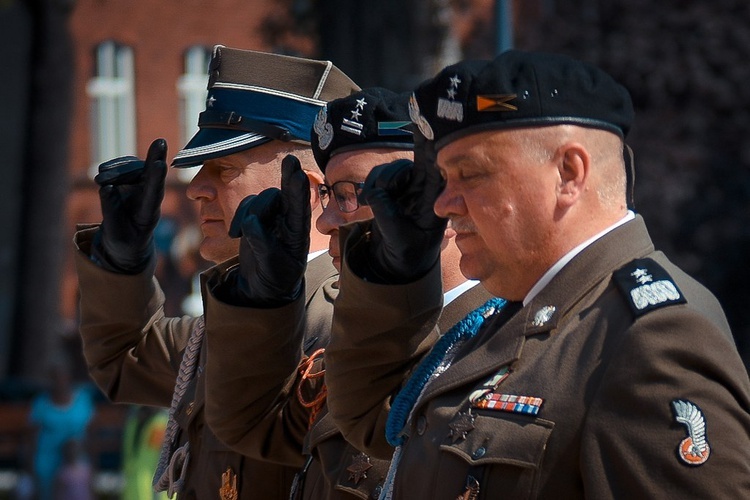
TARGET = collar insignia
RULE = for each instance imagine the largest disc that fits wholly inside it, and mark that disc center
(496, 102)
(543, 315)
(323, 129)
(694, 449)
(419, 120)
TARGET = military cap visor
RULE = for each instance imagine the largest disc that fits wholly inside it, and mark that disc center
(256, 97)
(519, 89)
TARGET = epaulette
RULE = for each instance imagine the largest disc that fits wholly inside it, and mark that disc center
(647, 286)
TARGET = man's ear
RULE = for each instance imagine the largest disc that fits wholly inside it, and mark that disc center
(316, 179)
(573, 169)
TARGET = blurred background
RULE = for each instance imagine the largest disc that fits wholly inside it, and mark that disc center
(87, 80)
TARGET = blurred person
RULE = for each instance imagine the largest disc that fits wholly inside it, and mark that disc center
(74, 480)
(260, 108)
(142, 440)
(59, 415)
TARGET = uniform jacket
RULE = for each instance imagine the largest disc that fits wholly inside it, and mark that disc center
(606, 360)
(133, 353)
(254, 406)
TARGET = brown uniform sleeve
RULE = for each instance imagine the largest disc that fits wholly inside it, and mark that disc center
(379, 333)
(252, 368)
(132, 350)
(631, 439)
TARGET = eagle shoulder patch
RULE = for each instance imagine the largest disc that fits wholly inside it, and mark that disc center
(647, 286)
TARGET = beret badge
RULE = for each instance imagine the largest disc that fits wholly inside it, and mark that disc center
(419, 120)
(323, 130)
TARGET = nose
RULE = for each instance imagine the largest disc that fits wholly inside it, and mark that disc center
(330, 219)
(200, 187)
(450, 202)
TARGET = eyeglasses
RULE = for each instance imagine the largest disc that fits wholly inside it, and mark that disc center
(345, 193)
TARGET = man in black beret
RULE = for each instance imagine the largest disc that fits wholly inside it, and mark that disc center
(260, 108)
(610, 373)
(350, 136)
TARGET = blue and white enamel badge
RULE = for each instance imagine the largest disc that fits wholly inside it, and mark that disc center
(647, 286)
(694, 449)
(419, 119)
(323, 129)
(449, 109)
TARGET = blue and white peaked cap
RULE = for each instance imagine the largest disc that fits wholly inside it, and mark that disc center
(255, 97)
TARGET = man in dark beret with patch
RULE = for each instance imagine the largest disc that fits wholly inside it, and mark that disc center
(260, 108)
(350, 136)
(610, 373)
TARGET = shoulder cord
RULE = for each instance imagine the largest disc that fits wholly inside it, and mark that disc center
(163, 478)
(406, 399)
(305, 370)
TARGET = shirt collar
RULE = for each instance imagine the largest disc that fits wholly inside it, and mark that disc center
(552, 271)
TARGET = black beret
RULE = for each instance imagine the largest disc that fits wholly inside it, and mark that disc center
(371, 118)
(519, 89)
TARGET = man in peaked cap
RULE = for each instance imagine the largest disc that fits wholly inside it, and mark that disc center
(351, 136)
(610, 373)
(260, 107)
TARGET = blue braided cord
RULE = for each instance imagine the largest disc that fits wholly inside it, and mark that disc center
(405, 400)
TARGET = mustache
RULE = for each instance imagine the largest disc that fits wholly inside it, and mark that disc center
(462, 225)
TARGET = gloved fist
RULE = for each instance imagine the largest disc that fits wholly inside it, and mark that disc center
(130, 193)
(274, 227)
(406, 234)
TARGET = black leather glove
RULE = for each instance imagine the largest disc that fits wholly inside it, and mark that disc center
(406, 234)
(275, 230)
(130, 193)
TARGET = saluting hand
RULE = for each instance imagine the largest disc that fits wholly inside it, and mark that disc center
(274, 227)
(130, 192)
(406, 234)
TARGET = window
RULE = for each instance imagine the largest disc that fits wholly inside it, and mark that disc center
(192, 89)
(112, 91)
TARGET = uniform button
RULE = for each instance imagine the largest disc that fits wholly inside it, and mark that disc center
(190, 407)
(376, 492)
(479, 453)
(421, 424)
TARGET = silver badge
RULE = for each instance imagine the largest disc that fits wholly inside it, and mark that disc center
(543, 315)
(419, 120)
(323, 130)
(448, 109)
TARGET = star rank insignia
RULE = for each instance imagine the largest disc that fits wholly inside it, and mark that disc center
(461, 425)
(694, 449)
(647, 286)
(449, 109)
(359, 467)
(228, 490)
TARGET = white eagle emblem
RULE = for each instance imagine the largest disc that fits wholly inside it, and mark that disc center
(323, 129)
(694, 449)
(419, 120)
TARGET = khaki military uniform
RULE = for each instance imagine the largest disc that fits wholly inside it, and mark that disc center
(133, 353)
(608, 366)
(254, 405)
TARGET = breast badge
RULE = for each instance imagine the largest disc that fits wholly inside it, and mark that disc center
(228, 490)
